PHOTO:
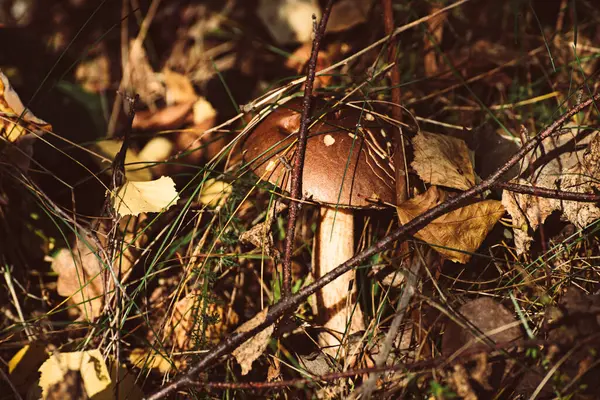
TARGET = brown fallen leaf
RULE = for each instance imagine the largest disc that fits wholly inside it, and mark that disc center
(463, 229)
(575, 172)
(485, 316)
(170, 117)
(250, 350)
(346, 14)
(443, 160)
(82, 275)
(487, 322)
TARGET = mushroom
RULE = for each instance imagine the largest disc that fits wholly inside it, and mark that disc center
(347, 167)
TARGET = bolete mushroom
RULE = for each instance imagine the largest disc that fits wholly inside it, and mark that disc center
(347, 166)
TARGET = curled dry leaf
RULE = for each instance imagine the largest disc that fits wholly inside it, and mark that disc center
(463, 229)
(134, 198)
(443, 160)
(144, 81)
(17, 125)
(16, 120)
(289, 21)
(575, 172)
(250, 350)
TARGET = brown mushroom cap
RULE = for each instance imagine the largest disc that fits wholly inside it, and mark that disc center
(346, 164)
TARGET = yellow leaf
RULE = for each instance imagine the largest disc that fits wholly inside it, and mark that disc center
(134, 198)
(141, 358)
(15, 119)
(443, 160)
(463, 229)
(253, 348)
(214, 193)
(135, 168)
(89, 364)
(157, 149)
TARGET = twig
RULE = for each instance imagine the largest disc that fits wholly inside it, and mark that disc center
(292, 302)
(436, 362)
(399, 159)
(296, 184)
(549, 193)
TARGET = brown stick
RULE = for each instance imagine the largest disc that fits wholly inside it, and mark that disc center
(290, 303)
(296, 184)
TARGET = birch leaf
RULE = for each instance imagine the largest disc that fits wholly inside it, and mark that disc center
(443, 160)
(134, 197)
(463, 229)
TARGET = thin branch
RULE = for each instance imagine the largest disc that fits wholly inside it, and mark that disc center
(436, 362)
(549, 193)
(290, 303)
(296, 184)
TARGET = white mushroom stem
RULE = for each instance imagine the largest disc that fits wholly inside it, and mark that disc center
(336, 302)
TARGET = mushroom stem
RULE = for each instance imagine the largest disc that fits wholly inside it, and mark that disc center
(340, 315)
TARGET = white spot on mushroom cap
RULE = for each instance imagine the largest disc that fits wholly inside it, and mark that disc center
(328, 140)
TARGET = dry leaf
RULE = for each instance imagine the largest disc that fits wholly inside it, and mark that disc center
(463, 229)
(289, 21)
(64, 375)
(157, 149)
(250, 350)
(148, 358)
(204, 112)
(574, 172)
(80, 270)
(346, 14)
(214, 193)
(179, 88)
(488, 317)
(134, 198)
(170, 117)
(15, 119)
(23, 366)
(135, 168)
(89, 364)
(443, 160)
(144, 81)
(80, 278)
